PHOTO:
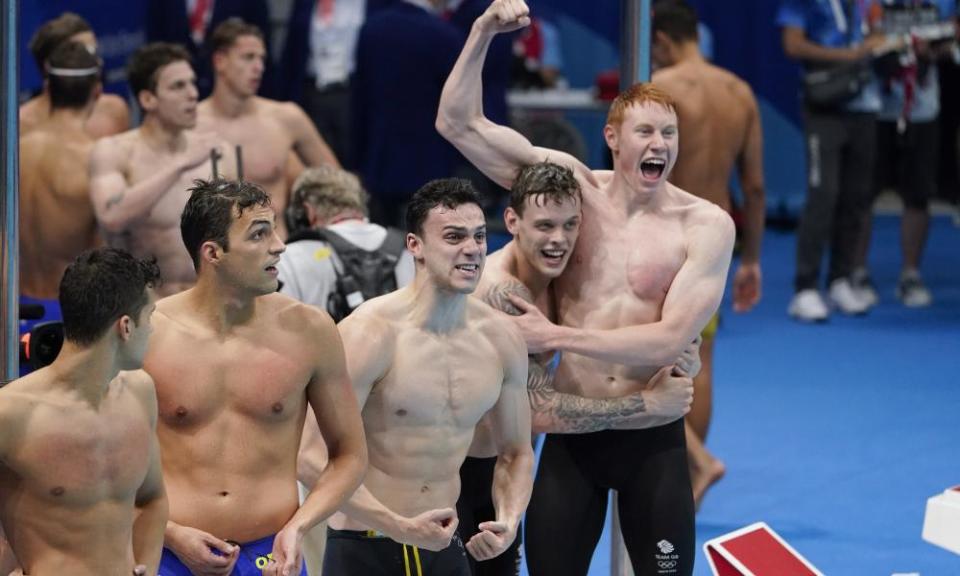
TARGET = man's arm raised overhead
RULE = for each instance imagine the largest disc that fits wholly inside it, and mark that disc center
(498, 151)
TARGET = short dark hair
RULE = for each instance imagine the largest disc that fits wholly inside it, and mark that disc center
(676, 19)
(68, 90)
(447, 192)
(228, 31)
(53, 33)
(543, 181)
(101, 286)
(143, 68)
(212, 207)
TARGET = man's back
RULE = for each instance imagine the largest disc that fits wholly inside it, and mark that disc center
(110, 115)
(716, 111)
(229, 405)
(56, 214)
(69, 473)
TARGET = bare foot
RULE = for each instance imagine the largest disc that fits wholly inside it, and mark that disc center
(705, 474)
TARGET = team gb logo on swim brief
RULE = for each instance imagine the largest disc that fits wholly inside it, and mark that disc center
(665, 547)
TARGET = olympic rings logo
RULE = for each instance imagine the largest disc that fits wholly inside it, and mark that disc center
(263, 561)
(667, 564)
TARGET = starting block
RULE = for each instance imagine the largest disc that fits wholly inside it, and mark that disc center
(756, 550)
(941, 523)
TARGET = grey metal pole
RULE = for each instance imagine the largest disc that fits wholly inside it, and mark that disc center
(9, 208)
(634, 42)
(634, 67)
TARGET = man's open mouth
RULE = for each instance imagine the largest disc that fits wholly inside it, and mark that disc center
(553, 256)
(653, 168)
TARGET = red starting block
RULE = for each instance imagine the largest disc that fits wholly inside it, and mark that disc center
(756, 550)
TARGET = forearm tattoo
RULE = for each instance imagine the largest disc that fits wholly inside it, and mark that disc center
(557, 412)
(114, 200)
(554, 411)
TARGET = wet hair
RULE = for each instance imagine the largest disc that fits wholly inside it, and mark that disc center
(53, 33)
(212, 208)
(100, 287)
(72, 75)
(143, 68)
(329, 191)
(229, 31)
(637, 95)
(447, 192)
(541, 182)
(676, 19)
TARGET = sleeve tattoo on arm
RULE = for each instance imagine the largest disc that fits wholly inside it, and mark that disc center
(555, 411)
(496, 296)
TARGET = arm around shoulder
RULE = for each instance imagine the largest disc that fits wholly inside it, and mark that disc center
(693, 297)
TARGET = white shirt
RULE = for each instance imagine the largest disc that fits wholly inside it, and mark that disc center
(333, 41)
(307, 266)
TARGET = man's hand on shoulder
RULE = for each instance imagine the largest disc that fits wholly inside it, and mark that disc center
(535, 328)
(499, 295)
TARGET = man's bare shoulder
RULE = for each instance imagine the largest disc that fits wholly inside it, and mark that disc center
(499, 330)
(735, 85)
(703, 215)
(31, 114)
(141, 385)
(375, 324)
(33, 145)
(668, 76)
(602, 179)
(286, 111)
(497, 270)
(113, 105)
(19, 398)
(173, 313)
(117, 148)
(293, 314)
(497, 292)
(693, 208)
(138, 381)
